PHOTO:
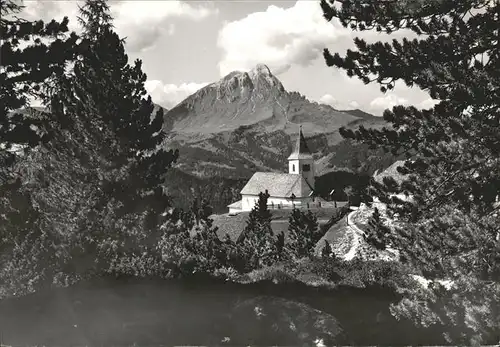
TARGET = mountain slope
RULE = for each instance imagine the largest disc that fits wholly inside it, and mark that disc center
(361, 114)
(250, 98)
(247, 122)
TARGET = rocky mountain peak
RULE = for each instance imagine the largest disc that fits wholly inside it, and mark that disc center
(241, 85)
(263, 78)
(260, 69)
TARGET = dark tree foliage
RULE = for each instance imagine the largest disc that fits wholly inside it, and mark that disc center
(106, 109)
(453, 146)
(327, 251)
(259, 218)
(96, 185)
(452, 171)
(112, 107)
(259, 244)
(31, 53)
(303, 232)
(201, 211)
(193, 250)
(377, 233)
(18, 217)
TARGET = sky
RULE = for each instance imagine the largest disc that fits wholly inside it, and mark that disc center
(185, 45)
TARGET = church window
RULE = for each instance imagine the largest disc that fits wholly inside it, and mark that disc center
(306, 168)
(293, 167)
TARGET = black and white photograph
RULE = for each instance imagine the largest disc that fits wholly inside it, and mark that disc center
(249, 173)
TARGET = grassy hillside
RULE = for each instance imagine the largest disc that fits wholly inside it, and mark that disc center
(234, 225)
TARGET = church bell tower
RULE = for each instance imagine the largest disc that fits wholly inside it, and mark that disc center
(301, 161)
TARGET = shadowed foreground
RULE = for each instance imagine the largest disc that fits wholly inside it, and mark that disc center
(173, 312)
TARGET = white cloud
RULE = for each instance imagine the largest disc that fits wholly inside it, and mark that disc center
(141, 22)
(169, 95)
(281, 69)
(352, 105)
(328, 99)
(142, 12)
(427, 104)
(388, 101)
(171, 29)
(277, 37)
(144, 22)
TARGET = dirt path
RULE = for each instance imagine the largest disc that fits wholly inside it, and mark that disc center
(355, 239)
(339, 236)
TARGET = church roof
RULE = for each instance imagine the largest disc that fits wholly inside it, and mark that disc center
(301, 151)
(280, 185)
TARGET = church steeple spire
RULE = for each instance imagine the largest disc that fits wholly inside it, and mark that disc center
(301, 161)
(301, 150)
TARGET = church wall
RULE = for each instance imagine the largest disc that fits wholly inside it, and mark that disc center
(278, 201)
(234, 210)
(248, 202)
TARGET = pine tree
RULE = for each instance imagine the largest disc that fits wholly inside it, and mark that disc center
(377, 233)
(97, 183)
(106, 104)
(258, 241)
(259, 218)
(113, 108)
(195, 209)
(448, 164)
(304, 233)
(327, 251)
(453, 161)
(31, 51)
(452, 171)
(26, 70)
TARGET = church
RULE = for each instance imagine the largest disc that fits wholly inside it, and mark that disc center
(285, 190)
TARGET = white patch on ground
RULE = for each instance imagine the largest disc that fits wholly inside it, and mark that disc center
(258, 311)
(319, 343)
(14, 148)
(424, 282)
(219, 165)
(273, 150)
(206, 146)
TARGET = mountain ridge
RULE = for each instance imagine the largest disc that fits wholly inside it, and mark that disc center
(256, 97)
